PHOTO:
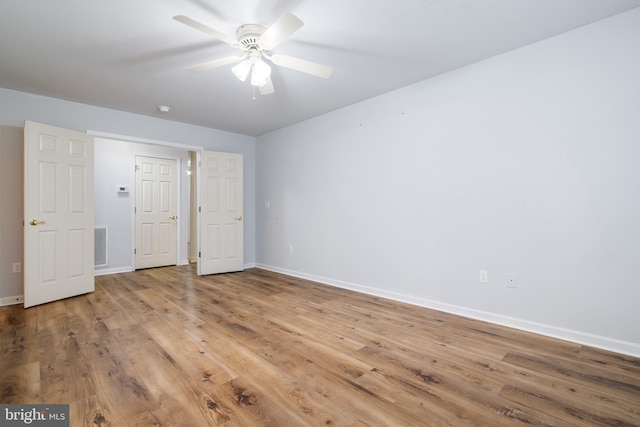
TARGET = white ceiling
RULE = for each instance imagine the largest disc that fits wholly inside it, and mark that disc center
(131, 55)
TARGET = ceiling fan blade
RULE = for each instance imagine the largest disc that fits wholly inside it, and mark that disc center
(206, 29)
(302, 65)
(216, 63)
(267, 87)
(284, 26)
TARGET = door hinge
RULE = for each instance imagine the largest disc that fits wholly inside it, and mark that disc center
(199, 254)
(199, 208)
(137, 168)
(134, 251)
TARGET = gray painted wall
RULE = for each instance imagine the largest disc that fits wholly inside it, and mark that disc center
(11, 208)
(526, 164)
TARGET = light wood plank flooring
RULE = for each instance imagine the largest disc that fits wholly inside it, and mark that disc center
(163, 347)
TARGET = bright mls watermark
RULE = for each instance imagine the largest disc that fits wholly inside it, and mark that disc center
(34, 415)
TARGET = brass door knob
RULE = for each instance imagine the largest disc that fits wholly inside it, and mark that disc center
(36, 222)
(173, 217)
(238, 218)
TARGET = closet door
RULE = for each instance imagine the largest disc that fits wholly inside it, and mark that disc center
(156, 216)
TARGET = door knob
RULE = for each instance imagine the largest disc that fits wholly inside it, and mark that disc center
(36, 222)
(238, 218)
(173, 217)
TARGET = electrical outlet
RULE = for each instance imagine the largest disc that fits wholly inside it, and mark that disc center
(17, 267)
(512, 281)
(483, 276)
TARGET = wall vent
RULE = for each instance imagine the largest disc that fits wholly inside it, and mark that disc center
(100, 247)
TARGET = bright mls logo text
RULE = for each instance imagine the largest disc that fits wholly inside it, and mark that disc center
(49, 415)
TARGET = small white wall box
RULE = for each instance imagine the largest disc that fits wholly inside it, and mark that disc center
(123, 189)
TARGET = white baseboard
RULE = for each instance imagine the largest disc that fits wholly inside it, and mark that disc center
(103, 272)
(18, 299)
(605, 343)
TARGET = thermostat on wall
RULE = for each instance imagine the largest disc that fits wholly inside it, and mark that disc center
(123, 189)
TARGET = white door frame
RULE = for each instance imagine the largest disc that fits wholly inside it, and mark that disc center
(134, 139)
(194, 169)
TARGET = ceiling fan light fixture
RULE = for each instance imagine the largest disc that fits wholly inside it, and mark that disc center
(241, 71)
(261, 71)
(257, 42)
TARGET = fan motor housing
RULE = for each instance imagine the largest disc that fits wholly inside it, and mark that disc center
(249, 35)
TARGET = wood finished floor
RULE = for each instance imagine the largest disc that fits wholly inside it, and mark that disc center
(163, 347)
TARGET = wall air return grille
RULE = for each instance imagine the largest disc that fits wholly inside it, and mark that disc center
(100, 246)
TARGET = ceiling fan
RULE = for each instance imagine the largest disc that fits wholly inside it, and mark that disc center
(256, 43)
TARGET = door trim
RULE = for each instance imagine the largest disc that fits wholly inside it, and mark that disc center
(139, 140)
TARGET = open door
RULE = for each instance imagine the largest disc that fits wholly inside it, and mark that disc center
(59, 214)
(220, 210)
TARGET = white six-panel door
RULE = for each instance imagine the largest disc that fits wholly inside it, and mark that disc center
(155, 212)
(59, 214)
(220, 213)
